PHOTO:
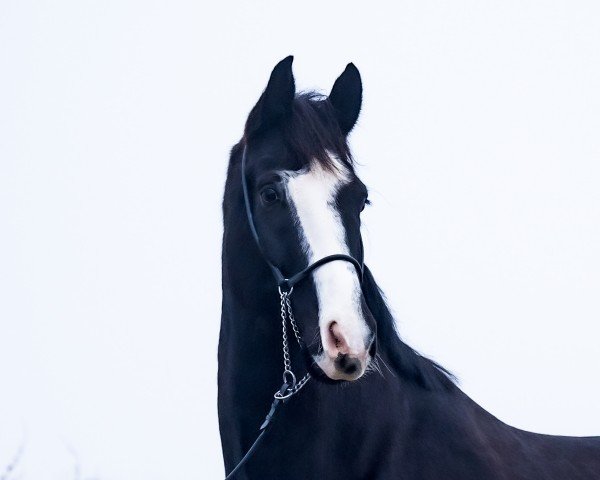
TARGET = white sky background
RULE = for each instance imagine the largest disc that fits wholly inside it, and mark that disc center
(479, 139)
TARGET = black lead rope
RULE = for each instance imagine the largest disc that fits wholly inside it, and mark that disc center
(285, 285)
(263, 430)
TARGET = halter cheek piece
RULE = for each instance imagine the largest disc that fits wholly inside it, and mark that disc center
(285, 285)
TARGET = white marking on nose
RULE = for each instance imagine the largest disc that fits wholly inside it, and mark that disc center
(313, 193)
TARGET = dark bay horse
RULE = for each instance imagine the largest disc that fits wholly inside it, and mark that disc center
(373, 408)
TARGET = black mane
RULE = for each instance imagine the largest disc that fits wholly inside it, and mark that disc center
(406, 362)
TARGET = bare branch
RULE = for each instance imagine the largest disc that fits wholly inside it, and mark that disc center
(10, 468)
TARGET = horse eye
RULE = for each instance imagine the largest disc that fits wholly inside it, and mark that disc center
(269, 196)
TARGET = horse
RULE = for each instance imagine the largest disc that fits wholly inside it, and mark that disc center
(359, 402)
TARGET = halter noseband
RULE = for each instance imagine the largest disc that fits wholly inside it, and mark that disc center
(283, 282)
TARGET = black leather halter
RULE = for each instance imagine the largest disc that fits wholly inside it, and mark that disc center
(283, 282)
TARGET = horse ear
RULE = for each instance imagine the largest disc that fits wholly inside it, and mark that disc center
(346, 98)
(275, 103)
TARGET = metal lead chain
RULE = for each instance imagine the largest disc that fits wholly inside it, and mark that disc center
(287, 363)
(292, 319)
(288, 375)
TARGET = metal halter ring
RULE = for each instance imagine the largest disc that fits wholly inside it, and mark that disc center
(287, 376)
(287, 292)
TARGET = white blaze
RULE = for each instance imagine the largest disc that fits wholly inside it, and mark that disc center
(313, 193)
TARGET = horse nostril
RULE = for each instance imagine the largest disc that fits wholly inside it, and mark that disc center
(337, 341)
(347, 364)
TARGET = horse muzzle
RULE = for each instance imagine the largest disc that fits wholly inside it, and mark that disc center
(344, 357)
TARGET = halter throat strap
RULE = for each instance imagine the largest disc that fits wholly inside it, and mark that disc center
(283, 282)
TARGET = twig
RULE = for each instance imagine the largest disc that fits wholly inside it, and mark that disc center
(14, 462)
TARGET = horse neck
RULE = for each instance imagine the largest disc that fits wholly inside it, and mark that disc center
(250, 339)
(250, 370)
